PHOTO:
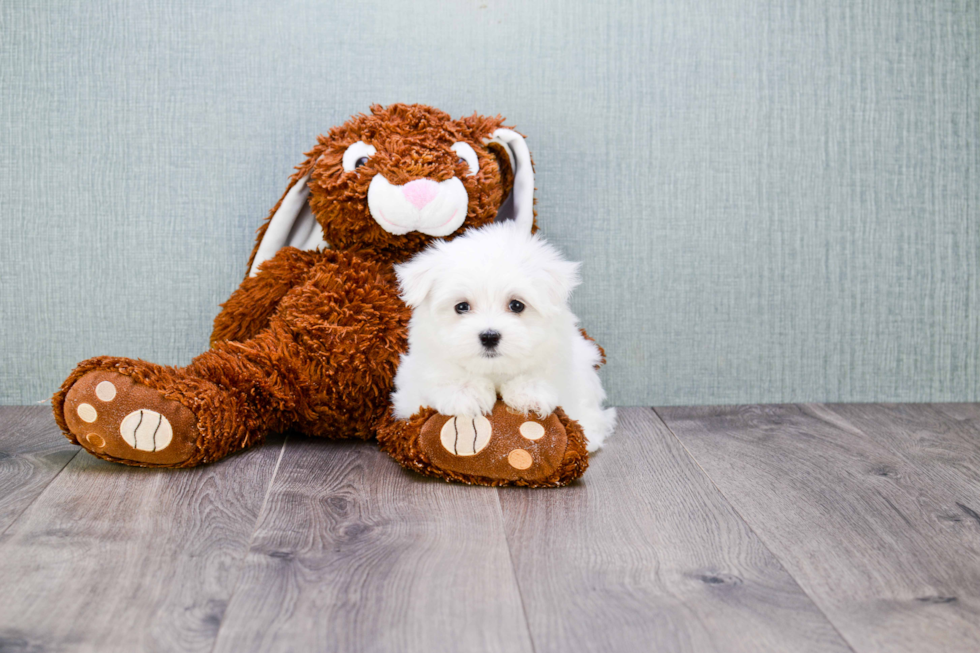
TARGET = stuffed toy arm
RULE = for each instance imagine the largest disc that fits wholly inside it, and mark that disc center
(249, 308)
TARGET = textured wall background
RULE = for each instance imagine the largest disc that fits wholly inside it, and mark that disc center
(774, 201)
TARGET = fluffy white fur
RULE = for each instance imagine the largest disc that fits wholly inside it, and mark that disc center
(541, 362)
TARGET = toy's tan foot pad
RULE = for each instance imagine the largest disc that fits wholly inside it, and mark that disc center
(508, 445)
(112, 415)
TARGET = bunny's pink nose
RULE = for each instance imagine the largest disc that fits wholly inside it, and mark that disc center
(420, 192)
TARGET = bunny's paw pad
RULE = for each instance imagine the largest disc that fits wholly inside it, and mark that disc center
(114, 417)
(505, 446)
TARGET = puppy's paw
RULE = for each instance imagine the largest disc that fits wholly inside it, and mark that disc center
(468, 398)
(529, 395)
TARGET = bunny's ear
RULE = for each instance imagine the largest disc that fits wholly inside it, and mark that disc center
(291, 224)
(519, 205)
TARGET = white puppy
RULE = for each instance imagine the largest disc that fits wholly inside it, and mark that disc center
(490, 315)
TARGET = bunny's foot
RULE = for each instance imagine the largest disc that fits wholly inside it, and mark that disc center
(137, 413)
(504, 448)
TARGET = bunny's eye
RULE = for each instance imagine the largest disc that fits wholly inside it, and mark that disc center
(357, 155)
(467, 155)
(462, 307)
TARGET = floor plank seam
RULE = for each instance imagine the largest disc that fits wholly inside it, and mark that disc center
(38, 496)
(513, 570)
(251, 539)
(758, 535)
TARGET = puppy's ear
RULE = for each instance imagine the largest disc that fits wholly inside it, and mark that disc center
(557, 279)
(417, 277)
(552, 283)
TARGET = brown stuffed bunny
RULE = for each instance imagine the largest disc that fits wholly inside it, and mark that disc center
(311, 339)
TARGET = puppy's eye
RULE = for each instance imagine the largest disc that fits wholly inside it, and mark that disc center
(357, 155)
(464, 307)
(516, 306)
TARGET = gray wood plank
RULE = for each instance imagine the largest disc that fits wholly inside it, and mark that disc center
(939, 445)
(644, 554)
(859, 525)
(32, 452)
(969, 413)
(355, 554)
(114, 558)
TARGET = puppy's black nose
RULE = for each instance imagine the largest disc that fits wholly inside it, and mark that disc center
(490, 339)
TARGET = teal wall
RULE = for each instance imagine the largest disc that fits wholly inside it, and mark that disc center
(774, 201)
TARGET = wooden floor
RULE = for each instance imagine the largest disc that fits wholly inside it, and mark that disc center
(754, 528)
